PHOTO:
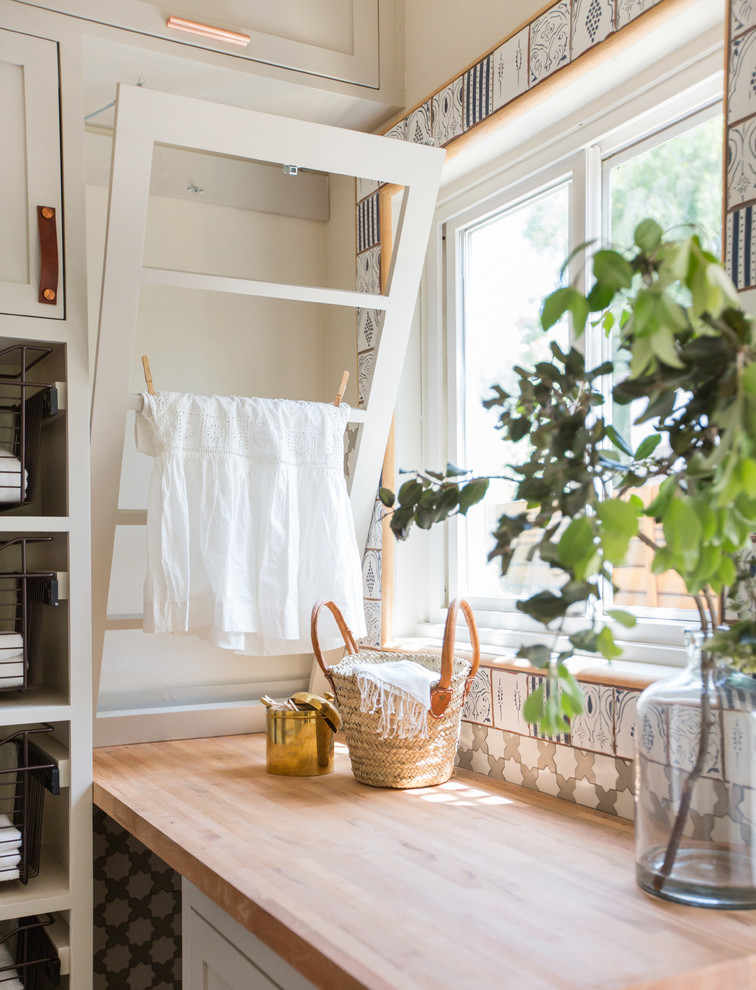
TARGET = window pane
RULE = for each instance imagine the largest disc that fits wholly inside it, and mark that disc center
(678, 182)
(511, 262)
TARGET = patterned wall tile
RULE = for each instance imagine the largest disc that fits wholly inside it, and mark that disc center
(366, 187)
(741, 97)
(740, 250)
(510, 69)
(739, 758)
(419, 129)
(137, 913)
(592, 21)
(478, 92)
(371, 574)
(448, 112)
(478, 704)
(351, 436)
(368, 223)
(652, 733)
(369, 326)
(373, 623)
(625, 704)
(369, 270)
(628, 10)
(472, 753)
(509, 691)
(684, 729)
(375, 532)
(550, 41)
(742, 16)
(365, 363)
(399, 131)
(594, 729)
(534, 730)
(741, 163)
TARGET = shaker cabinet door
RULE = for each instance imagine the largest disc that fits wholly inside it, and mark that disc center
(31, 269)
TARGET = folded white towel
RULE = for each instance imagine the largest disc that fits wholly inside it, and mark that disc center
(10, 836)
(10, 859)
(399, 691)
(10, 478)
(11, 644)
(11, 674)
(8, 976)
(8, 875)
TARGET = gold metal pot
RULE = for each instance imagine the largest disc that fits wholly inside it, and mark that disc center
(298, 744)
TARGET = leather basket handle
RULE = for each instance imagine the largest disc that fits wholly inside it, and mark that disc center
(344, 629)
(441, 693)
(48, 249)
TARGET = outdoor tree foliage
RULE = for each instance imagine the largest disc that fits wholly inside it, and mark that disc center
(689, 348)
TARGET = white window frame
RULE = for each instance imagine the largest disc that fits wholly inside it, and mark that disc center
(650, 115)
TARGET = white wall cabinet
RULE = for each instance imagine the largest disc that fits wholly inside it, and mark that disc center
(221, 955)
(30, 170)
(42, 139)
(350, 41)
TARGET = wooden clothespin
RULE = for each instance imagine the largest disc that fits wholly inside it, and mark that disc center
(148, 375)
(342, 389)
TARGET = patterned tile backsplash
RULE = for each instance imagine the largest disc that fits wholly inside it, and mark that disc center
(593, 765)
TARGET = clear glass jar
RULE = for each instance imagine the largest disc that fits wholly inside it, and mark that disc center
(695, 805)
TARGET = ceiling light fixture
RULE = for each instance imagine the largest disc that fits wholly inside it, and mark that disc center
(207, 31)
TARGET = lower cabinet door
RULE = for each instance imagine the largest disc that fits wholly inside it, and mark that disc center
(219, 954)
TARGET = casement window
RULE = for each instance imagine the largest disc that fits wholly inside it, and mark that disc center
(502, 255)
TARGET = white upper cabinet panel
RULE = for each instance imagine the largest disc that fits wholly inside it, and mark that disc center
(334, 39)
(30, 170)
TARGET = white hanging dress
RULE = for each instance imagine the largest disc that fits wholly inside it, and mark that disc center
(248, 520)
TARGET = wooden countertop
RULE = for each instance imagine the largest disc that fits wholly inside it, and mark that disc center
(473, 884)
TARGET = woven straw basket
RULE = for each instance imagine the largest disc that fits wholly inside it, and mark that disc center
(393, 762)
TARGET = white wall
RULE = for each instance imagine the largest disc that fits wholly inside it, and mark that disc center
(213, 343)
(444, 36)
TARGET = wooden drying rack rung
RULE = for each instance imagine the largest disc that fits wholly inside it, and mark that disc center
(151, 387)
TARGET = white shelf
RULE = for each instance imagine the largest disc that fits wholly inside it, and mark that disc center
(46, 893)
(35, 706)
(33, 524)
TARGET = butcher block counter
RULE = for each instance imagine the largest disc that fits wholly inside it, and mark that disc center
(473, 884)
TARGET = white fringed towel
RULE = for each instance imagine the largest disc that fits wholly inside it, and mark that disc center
(10, 478)
(398, 691)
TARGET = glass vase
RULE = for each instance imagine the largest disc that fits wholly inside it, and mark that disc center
(695, 785)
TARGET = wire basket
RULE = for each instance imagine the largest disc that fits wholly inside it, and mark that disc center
(23, 595)
(26, 771)
(419, 760)
(28, 957)
(24, 404)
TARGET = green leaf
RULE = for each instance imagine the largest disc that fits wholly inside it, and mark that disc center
(471, 493)
(577, 550)
(624, 618)
(410, 492)
(555, 306)
(618, 441)
(619, 524)
(647, 446)
(606, 645)
(682, 532)
(539, 655)
(648, 235)
(663, 345)
(386, 496)
(454, 472)
(575, 251)
(611, 269)
(544, 607)
(533, 708)
(749, 379)
(573, 699)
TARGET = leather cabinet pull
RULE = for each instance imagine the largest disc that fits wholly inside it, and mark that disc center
(48, 247)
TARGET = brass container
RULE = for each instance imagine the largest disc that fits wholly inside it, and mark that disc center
(297, 744)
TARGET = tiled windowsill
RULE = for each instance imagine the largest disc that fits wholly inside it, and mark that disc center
(592, 670)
